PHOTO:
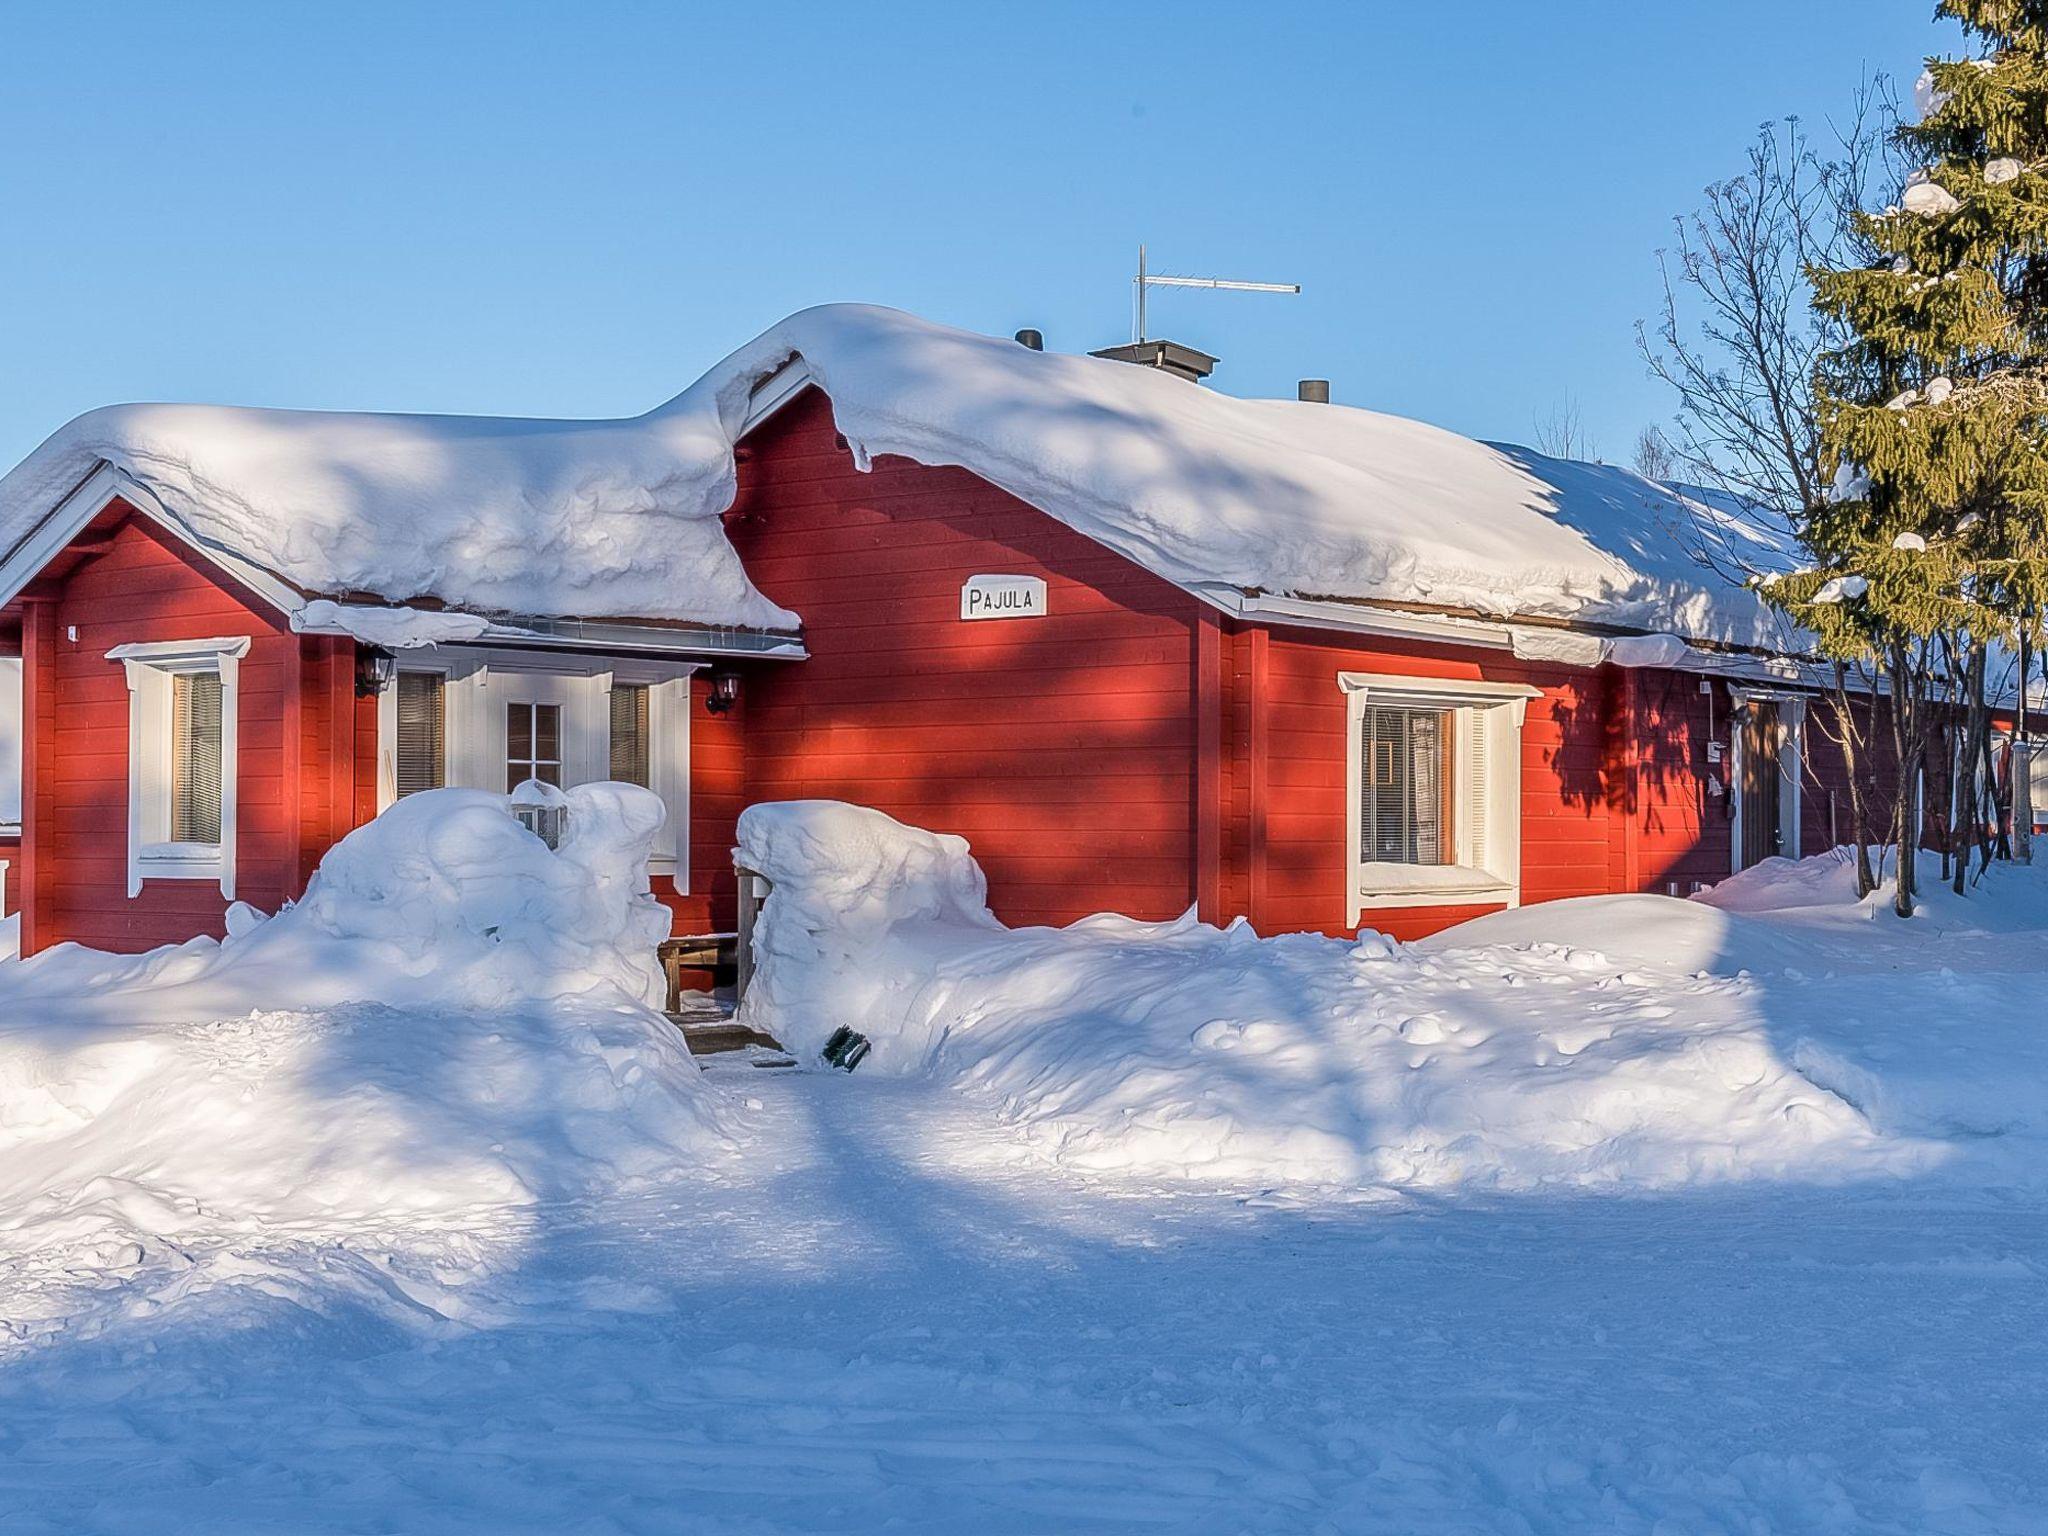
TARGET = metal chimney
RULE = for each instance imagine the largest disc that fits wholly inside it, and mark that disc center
(1315, 391)
(1167, 356)
(1035, 340)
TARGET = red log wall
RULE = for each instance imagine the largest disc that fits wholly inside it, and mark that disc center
(1059, 747)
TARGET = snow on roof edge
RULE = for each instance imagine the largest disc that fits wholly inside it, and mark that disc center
(606, 519)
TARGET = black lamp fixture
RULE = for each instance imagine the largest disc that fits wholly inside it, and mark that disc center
(725, 691)
(375, 668)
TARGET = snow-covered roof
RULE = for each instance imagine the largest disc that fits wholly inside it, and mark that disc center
(580, 519)
(1207, 490)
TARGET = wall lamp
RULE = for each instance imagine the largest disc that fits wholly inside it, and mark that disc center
(724, 693)
(375, 668)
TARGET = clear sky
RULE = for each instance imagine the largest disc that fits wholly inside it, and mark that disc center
(571, 209)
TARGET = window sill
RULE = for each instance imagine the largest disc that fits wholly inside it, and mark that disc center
(1411, 885)
(179, 861)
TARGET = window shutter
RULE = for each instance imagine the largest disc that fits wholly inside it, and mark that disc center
(195, 757)
(630, 753)
(1478, 782)
(422, 732)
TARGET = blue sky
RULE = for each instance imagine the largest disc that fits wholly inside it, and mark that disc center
(571, 209)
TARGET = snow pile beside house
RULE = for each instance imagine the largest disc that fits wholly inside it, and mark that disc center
(450, 1030)
(621, 518)
(863, 908)
(443, 901)
(1178, 1050)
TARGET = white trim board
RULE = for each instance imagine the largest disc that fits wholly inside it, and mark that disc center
(1487, 779)
(149, 666)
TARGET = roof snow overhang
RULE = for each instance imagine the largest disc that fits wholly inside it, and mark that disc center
(34, 552)
(1527, 640)
(1553, 640)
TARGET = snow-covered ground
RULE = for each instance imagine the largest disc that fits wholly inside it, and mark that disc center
(1732, 1219)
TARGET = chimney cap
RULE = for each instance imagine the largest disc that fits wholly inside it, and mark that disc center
(1315, 391)
(1035, 340)
(1188, 363)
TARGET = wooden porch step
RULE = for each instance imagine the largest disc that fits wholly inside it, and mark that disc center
(711, 1039)
(712, 1033)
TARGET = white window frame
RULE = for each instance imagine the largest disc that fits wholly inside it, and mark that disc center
(1791, 766)
(479, 684)
(150, 666)
(11, 735)
(1483, 875)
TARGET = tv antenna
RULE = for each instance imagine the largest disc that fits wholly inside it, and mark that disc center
(1147, 280)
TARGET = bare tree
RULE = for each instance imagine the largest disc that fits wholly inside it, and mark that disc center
(1738, 339)
(1741, 346)
(1561, 431)
(1652, 458)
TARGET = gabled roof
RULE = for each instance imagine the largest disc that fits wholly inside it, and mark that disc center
(1224, 496)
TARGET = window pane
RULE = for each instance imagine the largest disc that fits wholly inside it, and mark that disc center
(519, 733)
(1403, 797)
(629, 734)
(547, 733)
(422, 728)
(195, 757)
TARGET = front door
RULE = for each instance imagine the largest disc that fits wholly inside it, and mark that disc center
(542, 731)
(1759, 760)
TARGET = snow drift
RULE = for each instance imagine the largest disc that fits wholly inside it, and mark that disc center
(451, 1025)
(1180, 1050)
(620, 518)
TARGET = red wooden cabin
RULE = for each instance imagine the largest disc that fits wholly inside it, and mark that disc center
(197, 722)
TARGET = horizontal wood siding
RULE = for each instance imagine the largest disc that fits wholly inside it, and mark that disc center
(145, 587)
(1061, 748)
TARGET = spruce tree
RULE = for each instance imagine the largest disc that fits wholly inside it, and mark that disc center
(1932, 547)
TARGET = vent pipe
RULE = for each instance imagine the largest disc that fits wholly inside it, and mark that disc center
(1314, 391)
(1035, 340)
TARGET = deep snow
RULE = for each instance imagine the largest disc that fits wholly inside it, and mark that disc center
(1624, 1041)
(500, 1259)
(620, 518)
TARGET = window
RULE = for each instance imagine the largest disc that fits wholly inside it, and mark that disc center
(1435, 774)
(182, 722)
(1404, 807)
(533, 744)
(630, 743)
(10, 743)
(422, 730)
(195, 757)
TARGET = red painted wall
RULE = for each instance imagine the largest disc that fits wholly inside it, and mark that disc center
(1288, 719)
(146, 587)
(1133, 751)
(1061, 747)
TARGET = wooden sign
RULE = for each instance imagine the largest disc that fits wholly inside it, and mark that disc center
(1002, 597)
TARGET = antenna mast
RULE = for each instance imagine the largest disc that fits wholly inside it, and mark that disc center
(1148, 280)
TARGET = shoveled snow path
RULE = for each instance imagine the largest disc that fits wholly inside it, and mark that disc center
(877, 1318)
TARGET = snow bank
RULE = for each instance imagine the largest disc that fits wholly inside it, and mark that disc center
(621, 517)
(442, 901)
(1662, 932)
(862, 904)
(452, 1023)
(1178, 1050)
